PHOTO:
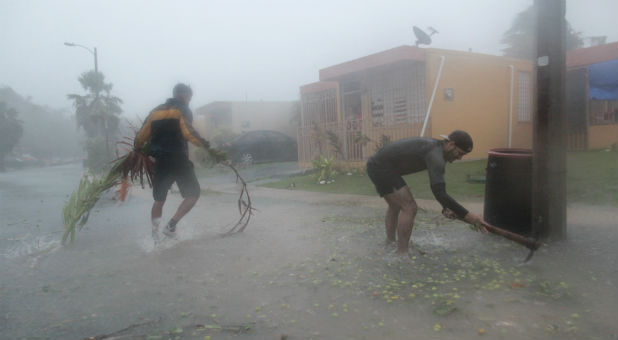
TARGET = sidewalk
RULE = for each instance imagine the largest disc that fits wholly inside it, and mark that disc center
(577, 213)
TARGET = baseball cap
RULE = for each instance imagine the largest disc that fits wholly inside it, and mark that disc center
(461, 138)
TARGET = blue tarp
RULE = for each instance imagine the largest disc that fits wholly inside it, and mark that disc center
(603, 80)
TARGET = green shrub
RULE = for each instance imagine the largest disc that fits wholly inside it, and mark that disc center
(323, 169)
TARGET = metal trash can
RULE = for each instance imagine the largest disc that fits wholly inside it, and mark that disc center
(508, 190)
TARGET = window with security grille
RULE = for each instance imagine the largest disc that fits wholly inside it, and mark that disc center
(602, 112)
(397, 94)
(524, 96)
(319, 107)
(352, 99)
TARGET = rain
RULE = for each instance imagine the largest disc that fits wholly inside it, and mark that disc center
(287, 103)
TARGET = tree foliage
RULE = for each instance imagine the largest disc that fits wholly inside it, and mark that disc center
(520, 37)
(11, 130)
(48, 133)
(97, 112)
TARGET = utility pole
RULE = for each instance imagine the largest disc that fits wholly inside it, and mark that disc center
(96, 61)
(549, 131)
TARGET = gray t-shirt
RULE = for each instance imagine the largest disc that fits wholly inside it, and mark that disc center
(412, 155)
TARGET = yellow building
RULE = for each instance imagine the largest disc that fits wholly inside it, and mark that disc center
(407, 91)
(592, 96)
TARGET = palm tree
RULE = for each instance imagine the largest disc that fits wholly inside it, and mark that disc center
(520, 37)
(97, 111)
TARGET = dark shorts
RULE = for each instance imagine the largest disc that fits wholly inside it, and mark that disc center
(385, 180)
(167, 171)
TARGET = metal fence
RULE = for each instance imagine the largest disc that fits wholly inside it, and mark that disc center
(577, 139)
(352, 140)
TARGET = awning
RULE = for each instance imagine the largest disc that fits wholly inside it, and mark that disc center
(603, 80)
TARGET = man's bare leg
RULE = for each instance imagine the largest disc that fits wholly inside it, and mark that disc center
(392, 213)
(186, 206)
(156, 212)
(183, 209)
(403, 199)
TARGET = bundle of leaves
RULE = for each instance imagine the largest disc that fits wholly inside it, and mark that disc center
(133, 166)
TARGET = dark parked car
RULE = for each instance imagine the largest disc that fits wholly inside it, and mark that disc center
(262, 146)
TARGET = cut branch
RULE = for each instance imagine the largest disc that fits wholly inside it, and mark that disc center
(245, 207)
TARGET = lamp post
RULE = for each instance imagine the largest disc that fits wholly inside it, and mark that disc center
(96, 63)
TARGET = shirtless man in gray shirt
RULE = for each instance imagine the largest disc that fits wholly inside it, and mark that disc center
(411, 155)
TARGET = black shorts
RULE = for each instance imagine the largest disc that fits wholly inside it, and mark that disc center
(167, 171)
(385, 180)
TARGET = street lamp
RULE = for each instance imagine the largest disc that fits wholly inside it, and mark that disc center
(96, 64)
(96, 70)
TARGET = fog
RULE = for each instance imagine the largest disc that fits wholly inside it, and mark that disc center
(312, 263)
(236, 50)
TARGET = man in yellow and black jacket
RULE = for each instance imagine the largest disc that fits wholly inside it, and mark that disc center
(167, 130)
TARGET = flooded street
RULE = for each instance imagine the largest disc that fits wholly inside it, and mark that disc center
(448, 99)
(308, 266)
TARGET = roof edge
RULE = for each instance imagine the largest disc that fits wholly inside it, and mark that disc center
(318, 86)
(592, 55)
(404, 52)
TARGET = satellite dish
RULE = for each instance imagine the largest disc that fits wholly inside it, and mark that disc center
(422, 37)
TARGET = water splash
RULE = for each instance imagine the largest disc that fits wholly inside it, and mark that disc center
(32, 249)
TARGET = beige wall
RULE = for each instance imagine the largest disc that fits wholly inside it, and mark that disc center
(602, 136)
(522, 135)
(481, 85)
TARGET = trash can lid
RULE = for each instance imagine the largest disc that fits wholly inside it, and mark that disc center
(511, 152)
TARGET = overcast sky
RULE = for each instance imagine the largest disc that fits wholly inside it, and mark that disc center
(237, 50)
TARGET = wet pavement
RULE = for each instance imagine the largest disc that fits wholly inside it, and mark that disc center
(309, 265)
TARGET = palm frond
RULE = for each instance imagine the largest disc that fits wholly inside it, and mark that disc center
(77, 209)
(133, 165)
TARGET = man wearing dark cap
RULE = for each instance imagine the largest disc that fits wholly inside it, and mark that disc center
(166, 132)
(411, 155)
